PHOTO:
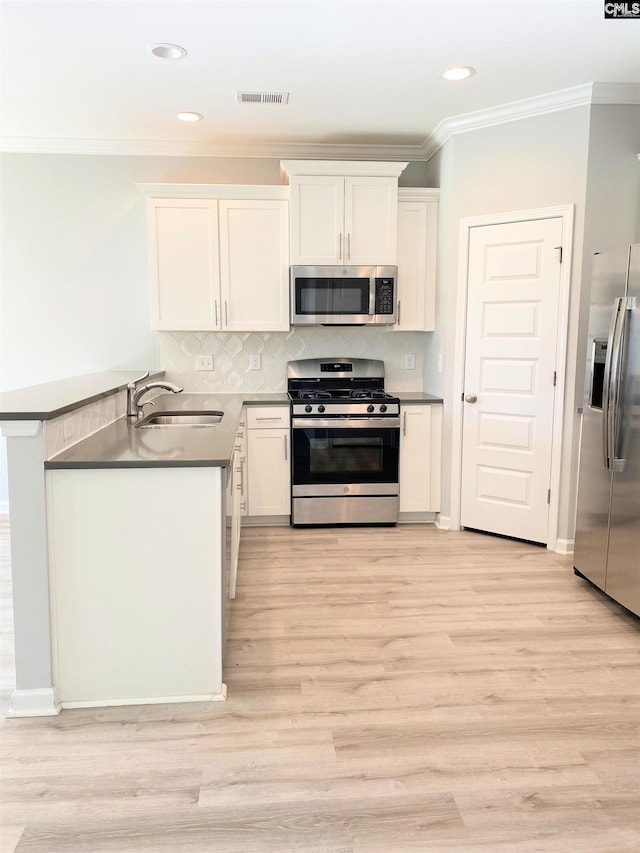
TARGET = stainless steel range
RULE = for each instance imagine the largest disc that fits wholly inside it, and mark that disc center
(345, 434)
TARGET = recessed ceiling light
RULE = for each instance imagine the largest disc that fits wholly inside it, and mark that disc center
(190, 116)
(459, 72)
(167, 51)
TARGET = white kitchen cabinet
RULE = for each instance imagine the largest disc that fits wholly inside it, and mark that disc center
(343, 212)
(219, 264)
(254, 265)
(420, 459)
(268, 451)
(417, 249)
(184, 267)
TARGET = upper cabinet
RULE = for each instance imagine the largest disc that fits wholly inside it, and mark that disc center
(417, 244)
(343, 212)
(219, 263)
(254, 265)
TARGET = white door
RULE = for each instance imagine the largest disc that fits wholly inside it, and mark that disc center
(512, 318)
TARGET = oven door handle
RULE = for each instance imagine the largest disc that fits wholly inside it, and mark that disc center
(345, 423)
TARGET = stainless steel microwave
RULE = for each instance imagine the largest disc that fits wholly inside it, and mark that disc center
(343, 296)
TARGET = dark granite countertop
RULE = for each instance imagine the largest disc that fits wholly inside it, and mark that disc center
(52, 399)
(123, 445)
(408, 397)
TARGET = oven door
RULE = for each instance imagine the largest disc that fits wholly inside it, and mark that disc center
(331, 453)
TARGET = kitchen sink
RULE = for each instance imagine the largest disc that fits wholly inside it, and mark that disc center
(184, 418)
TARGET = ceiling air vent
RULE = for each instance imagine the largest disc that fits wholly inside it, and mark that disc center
(262, 97)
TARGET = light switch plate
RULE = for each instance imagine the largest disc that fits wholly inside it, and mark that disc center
(204, 362)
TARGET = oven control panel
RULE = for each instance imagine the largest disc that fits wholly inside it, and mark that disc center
(374, 409)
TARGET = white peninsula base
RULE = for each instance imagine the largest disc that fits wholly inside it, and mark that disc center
(136, 583)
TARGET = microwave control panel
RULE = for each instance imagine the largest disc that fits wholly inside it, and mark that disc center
(384, 296)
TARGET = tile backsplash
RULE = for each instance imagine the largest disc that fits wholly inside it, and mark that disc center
(231, 352)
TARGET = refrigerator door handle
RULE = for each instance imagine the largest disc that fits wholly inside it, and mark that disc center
(612, 382)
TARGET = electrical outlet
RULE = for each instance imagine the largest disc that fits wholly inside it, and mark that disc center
(409, 361)
(204, 362)
(255, 361)
(440, 363)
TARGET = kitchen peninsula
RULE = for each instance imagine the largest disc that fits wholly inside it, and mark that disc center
(117, 546)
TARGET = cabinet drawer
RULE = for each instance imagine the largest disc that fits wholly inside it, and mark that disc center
(267, 417)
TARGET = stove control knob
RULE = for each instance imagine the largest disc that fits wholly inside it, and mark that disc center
(383, 408)
(320, 408)
(370, 408)
(308, 408)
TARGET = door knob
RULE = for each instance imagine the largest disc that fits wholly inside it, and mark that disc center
(471, 398)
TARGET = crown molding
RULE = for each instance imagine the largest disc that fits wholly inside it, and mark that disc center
(563, 99)
(187, 148)
(589, 93)
(370, 168)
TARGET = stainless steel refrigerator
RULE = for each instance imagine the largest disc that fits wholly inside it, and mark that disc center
(607, 546)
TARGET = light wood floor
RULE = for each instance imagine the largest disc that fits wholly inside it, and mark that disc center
(394, 689)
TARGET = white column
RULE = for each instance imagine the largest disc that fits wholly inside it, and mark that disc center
(34, 694)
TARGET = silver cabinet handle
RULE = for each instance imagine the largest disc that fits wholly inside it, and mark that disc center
(226, 314)
(399, 304)
(471, 398)
(340, 245)
(269, 419)
(286, 450)
(349, 246)
(404, 423)
(215, 305)
(242, 461)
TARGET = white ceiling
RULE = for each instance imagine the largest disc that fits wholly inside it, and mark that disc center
(78, 75)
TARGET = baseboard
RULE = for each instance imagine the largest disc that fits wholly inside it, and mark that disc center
(563, 546)
(266, 520)
(416, 517)
(148, 700)
(34, 703)
(443, 522)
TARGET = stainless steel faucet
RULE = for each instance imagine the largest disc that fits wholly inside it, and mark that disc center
(134, 392)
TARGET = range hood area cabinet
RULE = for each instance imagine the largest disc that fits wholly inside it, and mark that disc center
(343, 212)
(219, 264)
(417, 254)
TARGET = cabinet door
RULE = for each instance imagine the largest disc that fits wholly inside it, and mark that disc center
(269, 477)
(420, 445)
(254, 265)
(417, 236)
(317, 220)
(183, 264)
(370, 215)
(237, 486)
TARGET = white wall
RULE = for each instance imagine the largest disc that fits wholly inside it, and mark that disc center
(555, 159)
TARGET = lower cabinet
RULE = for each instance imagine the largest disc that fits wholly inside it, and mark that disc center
(420, 455)
(268, 452)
